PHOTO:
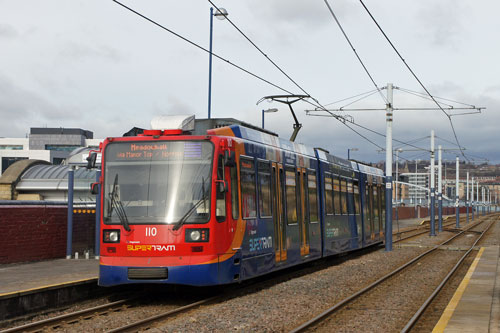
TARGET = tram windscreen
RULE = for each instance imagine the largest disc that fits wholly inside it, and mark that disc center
(157, 182)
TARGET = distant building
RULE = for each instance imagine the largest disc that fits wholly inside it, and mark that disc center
(419, 192)
(53, 145)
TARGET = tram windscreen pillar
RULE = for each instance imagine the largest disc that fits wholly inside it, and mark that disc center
(97, 248)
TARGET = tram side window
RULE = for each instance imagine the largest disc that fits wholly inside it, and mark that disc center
(247, 176)
(291, 196)
(328, 194)
(313, 196)
(381, 195)
(356, 198)
(369, 200)
(349, 192)
(265, 204)
(221, 195)
(234, 193)
(343, 189)
(336, 196)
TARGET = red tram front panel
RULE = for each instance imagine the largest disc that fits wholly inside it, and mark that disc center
(166, 213)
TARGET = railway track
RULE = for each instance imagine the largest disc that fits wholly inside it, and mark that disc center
(69, 318)
(67, 321)
(419, 230)
(349, 305)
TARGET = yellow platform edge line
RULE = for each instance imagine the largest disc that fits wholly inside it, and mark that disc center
(46, 287)
(450, 309)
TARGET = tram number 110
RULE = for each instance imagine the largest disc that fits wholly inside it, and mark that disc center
(151, 231)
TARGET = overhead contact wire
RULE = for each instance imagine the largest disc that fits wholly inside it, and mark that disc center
(354, 50)
(415, 76)
(201, 47)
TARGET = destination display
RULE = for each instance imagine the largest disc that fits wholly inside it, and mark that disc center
(157, 151)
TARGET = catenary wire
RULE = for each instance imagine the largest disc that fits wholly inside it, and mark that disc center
(317, 105)
(262, 52)
(359, 99)
(339, 118)
(355, 52)
(342, 119)
(348, 98)
(201, 47)
(437, 97)
(423, 96)
(415, 76)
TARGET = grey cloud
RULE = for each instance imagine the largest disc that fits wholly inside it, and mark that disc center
(27, 109)
(441, 22)
(7, 31)
(77, 51)
(289, 17)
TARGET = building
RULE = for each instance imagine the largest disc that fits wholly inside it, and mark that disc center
(417, 193)
(53, 145)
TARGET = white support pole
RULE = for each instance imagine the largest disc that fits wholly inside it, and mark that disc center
(472, 197)
(483, 190)
(433, 199)
(457, 199)
(477, 198)
(489, 199)
(388, 170)
(440, 190)
(467, 197)
(482, 199)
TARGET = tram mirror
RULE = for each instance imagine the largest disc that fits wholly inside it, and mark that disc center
(91, 160)
(94, 188)
(229, 158)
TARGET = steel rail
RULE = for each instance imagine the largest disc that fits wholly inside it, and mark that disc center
(419, 312)
(55, 321)
(424, 231)
(349, 299)
(133, 327)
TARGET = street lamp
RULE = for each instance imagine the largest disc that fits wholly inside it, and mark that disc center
(349, 152)
(267, 111)
(221, 14)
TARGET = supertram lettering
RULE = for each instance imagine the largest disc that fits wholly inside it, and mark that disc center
(257, 244)
(155, 248)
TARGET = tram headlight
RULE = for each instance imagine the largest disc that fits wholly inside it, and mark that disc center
(111, 236)
(196, 235)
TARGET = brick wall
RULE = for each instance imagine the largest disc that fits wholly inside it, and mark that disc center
(32, 233)
(423, 212)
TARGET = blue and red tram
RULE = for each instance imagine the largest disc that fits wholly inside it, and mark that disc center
(227, 206)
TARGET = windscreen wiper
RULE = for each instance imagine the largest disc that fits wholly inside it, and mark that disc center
(120, 211)
(184, 218)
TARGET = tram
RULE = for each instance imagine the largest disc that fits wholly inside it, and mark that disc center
(227, 205)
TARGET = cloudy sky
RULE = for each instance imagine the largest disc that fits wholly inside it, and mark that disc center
(94, 65)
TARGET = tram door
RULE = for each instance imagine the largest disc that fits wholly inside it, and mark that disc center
(303, 217)
(279, 213)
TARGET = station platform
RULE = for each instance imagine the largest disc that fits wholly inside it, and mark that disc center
(475, 306)
(36, 286)
(30, 277)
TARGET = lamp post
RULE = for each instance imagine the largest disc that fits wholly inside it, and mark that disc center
(349, 152)
(267, 111)
(221, 14)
